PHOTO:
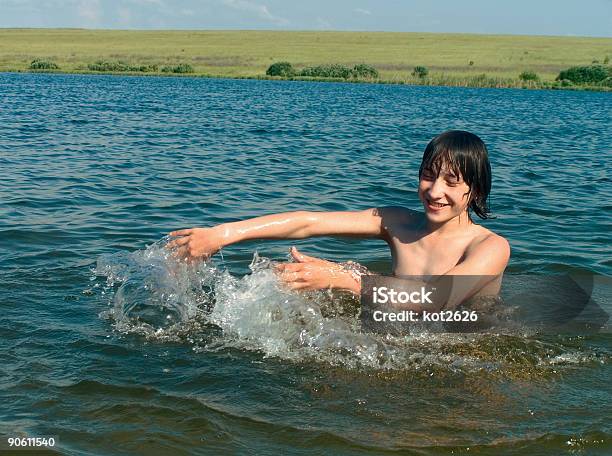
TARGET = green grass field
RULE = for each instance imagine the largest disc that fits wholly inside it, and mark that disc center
(249, 53)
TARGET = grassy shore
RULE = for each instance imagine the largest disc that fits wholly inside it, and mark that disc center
(452, 59)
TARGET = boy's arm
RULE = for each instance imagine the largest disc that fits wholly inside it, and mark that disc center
(483, 263)
(203, 242)
(488, 257)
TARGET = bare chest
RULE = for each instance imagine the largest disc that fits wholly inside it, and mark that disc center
(422, 256)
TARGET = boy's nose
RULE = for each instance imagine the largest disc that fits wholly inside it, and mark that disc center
(436, 189)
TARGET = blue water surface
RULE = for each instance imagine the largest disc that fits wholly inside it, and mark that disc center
(94, 165)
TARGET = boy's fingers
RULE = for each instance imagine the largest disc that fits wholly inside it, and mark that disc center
(291, 276)
(290, 267)
(300, 257)
(297, 256)
(181, 232)
(181, 252)
(178, 242)
(280, 268)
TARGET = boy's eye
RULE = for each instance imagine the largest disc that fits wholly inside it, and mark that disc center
(453, 180)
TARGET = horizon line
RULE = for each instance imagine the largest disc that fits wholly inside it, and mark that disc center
(295, 31)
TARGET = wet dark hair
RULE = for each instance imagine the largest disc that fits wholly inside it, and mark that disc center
(464, 153)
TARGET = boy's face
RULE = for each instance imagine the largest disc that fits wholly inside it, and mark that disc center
(444, 196)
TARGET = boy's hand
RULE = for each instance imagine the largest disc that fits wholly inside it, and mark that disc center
(196, 243)
(310, 273)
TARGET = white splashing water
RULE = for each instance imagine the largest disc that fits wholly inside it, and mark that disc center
(153, 287)
(153, 293)
(257, 312)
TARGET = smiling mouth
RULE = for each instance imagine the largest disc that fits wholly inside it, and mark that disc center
(437, 205)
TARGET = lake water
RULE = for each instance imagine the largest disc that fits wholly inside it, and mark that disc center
(96, 170)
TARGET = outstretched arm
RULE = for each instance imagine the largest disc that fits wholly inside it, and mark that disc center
(204, 242)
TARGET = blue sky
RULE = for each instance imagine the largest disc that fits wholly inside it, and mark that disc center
(532, 17)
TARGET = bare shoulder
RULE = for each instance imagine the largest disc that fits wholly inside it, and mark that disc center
(396, 214)
(492, 244)
(487, 254)
(396, 219)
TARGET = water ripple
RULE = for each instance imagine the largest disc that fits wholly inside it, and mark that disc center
(98, 167)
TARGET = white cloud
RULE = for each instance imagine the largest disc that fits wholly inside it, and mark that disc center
(260, 11)
(365, 12)
(89, 10)
(323, 24)
(16, 3)
(148, 2)
(38, 5)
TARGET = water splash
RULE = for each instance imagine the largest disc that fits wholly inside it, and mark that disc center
(154, 288)
(255, 311)
(152, 292)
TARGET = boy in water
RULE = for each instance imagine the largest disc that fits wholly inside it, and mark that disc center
(454, 180)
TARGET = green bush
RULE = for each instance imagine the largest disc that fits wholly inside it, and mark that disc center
(606, 60)
(104, 65)
(39, 64)
(308, 71)
(585, 74)
(181, 68)
(148, 68)
(529, 76)
(607, 82)
(284, 69)
(362, 70)
(334, 70)
(328, 71)
(420, 71)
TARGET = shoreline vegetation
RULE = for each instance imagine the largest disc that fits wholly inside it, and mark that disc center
(462, 60)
